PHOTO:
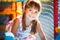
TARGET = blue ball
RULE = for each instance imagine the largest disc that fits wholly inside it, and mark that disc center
(58, 37)
(9, 36)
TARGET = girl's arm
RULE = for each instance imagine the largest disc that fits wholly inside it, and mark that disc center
(41, 33)
(15, 26)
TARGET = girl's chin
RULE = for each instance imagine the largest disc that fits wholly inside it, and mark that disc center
(29, 19)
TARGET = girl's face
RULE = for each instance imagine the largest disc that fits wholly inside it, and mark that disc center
(31, 13)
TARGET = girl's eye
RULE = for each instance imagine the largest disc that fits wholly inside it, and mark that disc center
(30, 10)
(36, 11)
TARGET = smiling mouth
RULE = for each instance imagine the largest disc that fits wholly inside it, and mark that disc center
(30, 16)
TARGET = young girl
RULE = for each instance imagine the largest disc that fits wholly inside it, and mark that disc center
(30, 23)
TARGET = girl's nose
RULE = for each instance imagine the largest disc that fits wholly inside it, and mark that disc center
(32, 12)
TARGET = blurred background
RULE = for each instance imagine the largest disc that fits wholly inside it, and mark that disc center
(47, 18)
